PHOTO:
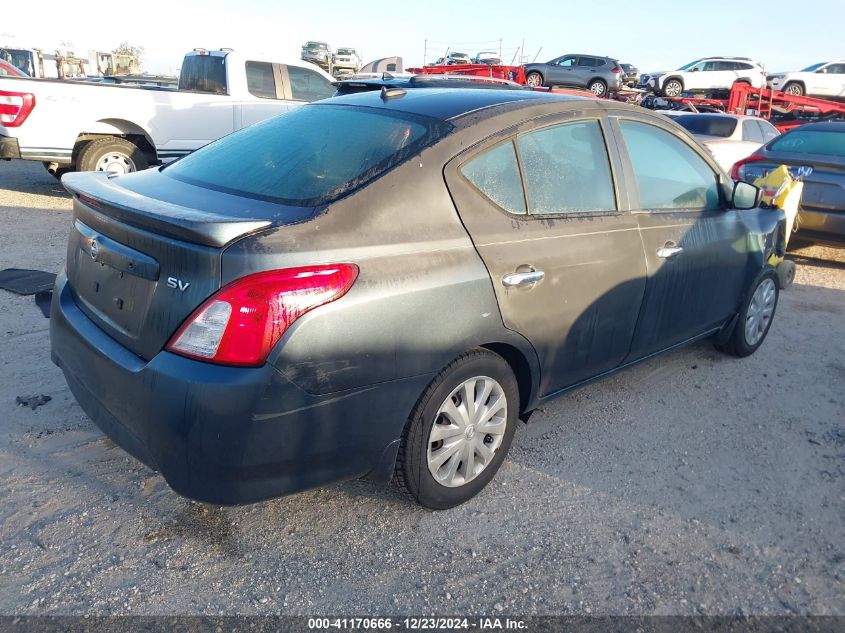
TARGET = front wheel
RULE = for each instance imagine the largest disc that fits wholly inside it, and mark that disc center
(459, 432)
(673, 88)
(598, 87)
(755, 317)
(794, 88)
(534, 79)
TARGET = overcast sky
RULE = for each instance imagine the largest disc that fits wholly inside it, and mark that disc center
(656, 36)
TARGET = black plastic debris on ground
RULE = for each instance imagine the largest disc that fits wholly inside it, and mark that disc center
(33, 402)
(26, 282)
(43, 300)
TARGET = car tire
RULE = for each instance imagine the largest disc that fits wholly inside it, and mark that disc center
(113, 154)
(597, 87)
(432, 433)
(794, 88)
(534, 79)
(755, 316)
(786, 273)
(673, 88)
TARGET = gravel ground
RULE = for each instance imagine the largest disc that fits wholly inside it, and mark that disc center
(691, 484)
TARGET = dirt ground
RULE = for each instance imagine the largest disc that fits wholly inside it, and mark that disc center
(694, 483)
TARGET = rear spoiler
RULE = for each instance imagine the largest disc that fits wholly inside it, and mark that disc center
(101, 192)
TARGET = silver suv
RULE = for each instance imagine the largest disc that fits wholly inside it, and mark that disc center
(705, 75)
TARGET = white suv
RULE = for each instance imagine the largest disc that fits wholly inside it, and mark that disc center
(826, 79)
(705, 75)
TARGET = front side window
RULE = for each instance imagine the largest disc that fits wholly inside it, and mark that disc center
(306, 85)
(260, 80)
(566, 62)
(309, 156)
(495, 173)
(836, 69)
(769, 131)
(669, 173)
(566, 169)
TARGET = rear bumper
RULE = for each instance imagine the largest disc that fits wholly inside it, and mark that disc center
(226, 435)
(9, 147)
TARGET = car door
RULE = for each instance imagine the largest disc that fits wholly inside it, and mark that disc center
(585, 70)
(560, 72)
(832, 80)
(265, 84)
(696, 250)
(563, 252)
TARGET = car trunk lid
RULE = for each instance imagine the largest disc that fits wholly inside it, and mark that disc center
(139, 265)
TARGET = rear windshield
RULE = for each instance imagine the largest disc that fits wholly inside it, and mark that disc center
(309, 156)
(704, 125)
(203, 73)
(346, 51)
(825, 142)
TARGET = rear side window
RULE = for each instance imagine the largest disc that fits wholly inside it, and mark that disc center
(751, 131)
(769, 131)
(669, 173)
(826, 142)
(566, 169)
(203, 73)
(312, 155)
(590, 61)
(836, 69)
(495, 173)
(260, 80)
(306, 85)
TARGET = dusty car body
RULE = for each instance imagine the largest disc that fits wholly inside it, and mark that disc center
(457, 296)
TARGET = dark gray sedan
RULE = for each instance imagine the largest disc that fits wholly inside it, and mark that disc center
(815, 153)
(599, 75)
(383, 285)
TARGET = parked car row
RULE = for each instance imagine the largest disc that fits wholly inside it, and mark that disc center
(344, 62)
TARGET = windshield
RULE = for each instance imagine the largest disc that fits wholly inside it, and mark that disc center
(18, 58)
(346, 51)
(203, 73)
(707, 125)
(813, 68)
(690, 65)
(825, 142)
(315, 45)
(309, 156)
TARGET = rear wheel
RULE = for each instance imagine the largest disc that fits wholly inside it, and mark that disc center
(534, 79)
(598, 87)
(112, 154)
(459, 432)
(794, 88)
(673, 88)
(755, 317)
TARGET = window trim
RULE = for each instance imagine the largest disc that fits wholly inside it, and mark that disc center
(630, 178)
(614, 160)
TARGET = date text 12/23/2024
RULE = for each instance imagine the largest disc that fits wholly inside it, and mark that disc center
(416, 624)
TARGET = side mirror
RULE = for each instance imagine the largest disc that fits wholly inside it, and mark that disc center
(822, 71)
(745, 196)
(693, 70)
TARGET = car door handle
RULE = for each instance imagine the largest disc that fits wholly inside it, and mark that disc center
(669, 251)
(512, 280)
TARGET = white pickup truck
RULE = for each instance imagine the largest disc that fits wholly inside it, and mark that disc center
(79, 126)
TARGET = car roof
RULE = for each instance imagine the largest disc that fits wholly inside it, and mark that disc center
(739, 117)
(447, 103)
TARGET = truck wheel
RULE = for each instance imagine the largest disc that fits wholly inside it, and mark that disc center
(794, 88)
(111, 154)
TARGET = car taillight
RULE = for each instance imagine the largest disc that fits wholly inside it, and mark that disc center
(242, 322)
(15, 107)
(739, 172)
(616, 69)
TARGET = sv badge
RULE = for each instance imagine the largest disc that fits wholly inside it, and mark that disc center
(177, 284)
